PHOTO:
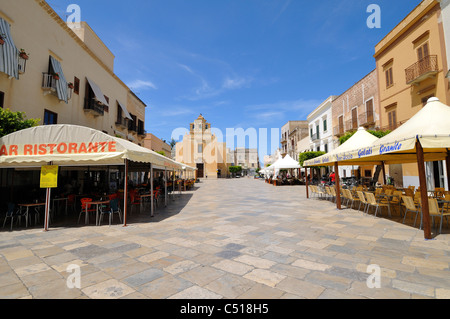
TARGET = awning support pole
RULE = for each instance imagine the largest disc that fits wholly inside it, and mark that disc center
(306, 180)
(165, 187)
(125, 195)
(423, 191)
(383, 166)
(152, 209)
(447, 163)
(338, 186)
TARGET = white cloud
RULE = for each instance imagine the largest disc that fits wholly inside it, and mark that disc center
(139, 85)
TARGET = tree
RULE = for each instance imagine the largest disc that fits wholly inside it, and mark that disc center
(347, 136)
(303, 157)
(161, 153)
(11, 122)
(235, 169)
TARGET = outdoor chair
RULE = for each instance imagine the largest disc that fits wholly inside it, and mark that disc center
(350, 197)
(135, 200)
(10, 213)
(396, 200)
(436, 212)
(410, 206)
(86, 208)
(71, 199)
(417, 196)
(362, 200)
(114, 209)
(372, 202)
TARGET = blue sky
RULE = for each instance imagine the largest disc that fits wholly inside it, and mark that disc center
(241, 63)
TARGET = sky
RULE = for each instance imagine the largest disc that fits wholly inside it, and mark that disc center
(240, 63)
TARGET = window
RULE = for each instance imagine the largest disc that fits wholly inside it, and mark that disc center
(392, 118)
(423, 51)
(425, 100)
(76, 85)
(389, 77)
(200, 148)
(326, 148)
(2, 99)
(50, 118)
(311, 132)
(325, 125)
(140, 127)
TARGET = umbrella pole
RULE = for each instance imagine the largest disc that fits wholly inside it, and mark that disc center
(447, 163)
(423, 191)
(125, 195)
(151, 190)
(384, 172)
(338, 186)
(306, 180)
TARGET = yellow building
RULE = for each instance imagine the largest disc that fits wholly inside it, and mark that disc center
(412, 66)
(68, 76)
(200, 148)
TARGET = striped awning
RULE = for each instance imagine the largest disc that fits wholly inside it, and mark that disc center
(97, 92)
(61, 84)
(9, 54)
(125, 111)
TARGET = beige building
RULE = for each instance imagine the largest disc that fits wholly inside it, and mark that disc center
(411, 63)
(247, 158)
(291, 133)
(357, 107)
(68, 76)
(201, 149)
(155, 144)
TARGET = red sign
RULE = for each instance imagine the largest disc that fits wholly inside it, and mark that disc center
(55, 149)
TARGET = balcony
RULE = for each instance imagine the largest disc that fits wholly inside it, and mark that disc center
(421, 70)
(351, 125)
(315, 136)
(93, 107)
(48, 84)
(393, 126)
(338, 130)
(366, 119)
(122, 122)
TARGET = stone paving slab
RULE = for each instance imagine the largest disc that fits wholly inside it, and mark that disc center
(232, 239)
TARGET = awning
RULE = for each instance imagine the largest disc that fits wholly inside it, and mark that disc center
(361, 140)
(430, 126)
(66, 145)
(286, 163)
(9, 54)
(97, 92)
(125, 111)
(61, 84)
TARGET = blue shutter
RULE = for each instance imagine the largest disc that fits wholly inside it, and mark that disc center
(9, 54)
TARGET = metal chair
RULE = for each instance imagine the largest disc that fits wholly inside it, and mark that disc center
(372, 202)
(10, 213)
(362, 200)
(114, 209)
(438, 213)
(86, 208)
(410, 207)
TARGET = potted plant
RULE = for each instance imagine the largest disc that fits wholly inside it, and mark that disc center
(2, 38)
(23, 54)
(55, 76)
(70, 85)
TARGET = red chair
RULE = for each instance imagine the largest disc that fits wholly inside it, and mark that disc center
(86, 208)
(135, 200)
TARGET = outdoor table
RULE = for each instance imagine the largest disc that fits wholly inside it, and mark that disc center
(97, 210)
(28, 206)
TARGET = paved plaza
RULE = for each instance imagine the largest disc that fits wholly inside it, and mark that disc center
(231, 239)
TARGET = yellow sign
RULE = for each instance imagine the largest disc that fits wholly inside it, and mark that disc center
(49, 177)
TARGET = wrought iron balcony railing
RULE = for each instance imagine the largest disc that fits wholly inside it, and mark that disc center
(422, 69)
